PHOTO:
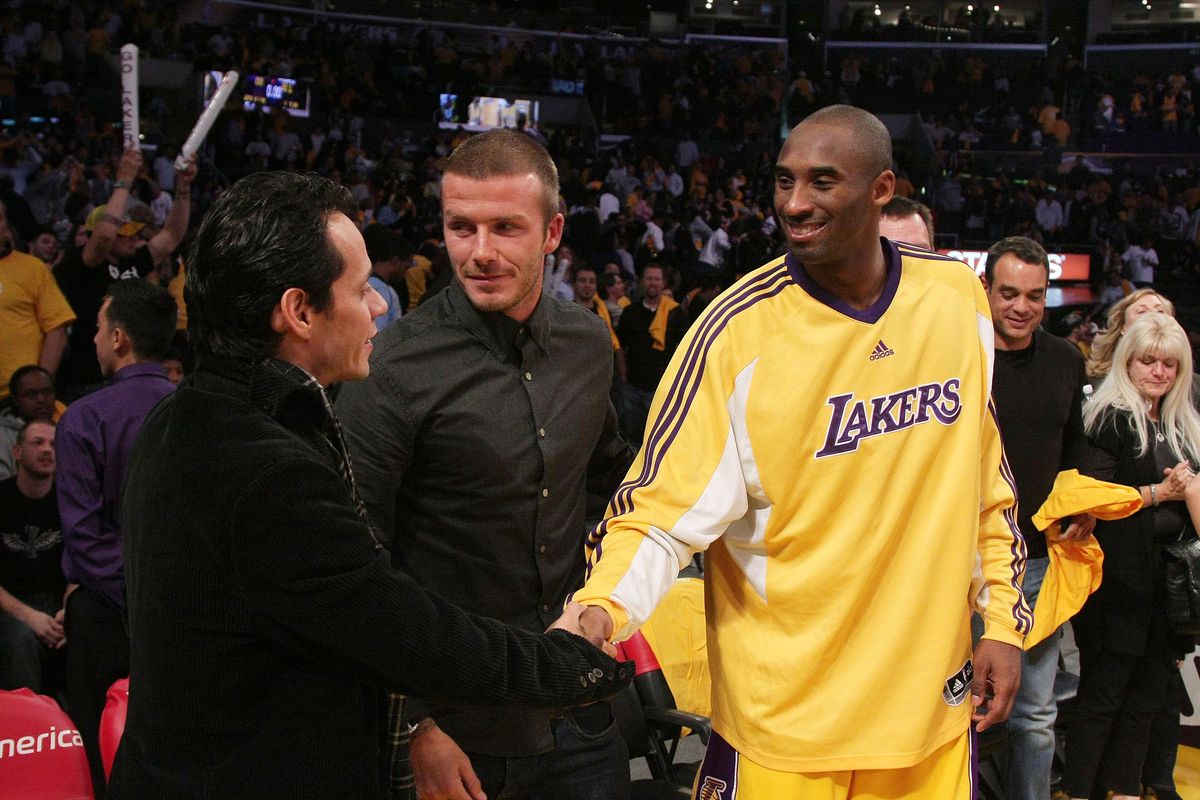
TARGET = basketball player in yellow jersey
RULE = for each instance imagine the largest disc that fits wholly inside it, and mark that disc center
(824, 431)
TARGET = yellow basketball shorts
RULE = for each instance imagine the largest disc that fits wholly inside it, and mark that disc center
(947, 774)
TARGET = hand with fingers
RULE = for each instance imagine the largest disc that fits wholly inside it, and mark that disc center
(590, 622)
(994, 687)
(441, 769)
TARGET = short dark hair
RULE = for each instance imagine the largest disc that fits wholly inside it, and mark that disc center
(503, 153)
(1022, 247)
(146, 312)
(899, 207)
(30, 423)
(19, 374)
(266, 234)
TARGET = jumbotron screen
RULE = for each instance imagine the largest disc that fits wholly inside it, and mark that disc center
(269, 92)
(485, 113)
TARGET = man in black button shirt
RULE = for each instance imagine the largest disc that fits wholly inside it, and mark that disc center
(31, 577)
(1038, 391)
(484, 420)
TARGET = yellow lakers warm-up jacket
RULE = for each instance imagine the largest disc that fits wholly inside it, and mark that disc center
(844, 471)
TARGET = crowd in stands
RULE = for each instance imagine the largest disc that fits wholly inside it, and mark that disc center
(690, 189)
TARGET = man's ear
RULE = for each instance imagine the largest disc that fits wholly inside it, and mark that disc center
(122, 345)
(554, 232)
(293, 314)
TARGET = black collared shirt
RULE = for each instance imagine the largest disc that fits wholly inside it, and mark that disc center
(473, 441)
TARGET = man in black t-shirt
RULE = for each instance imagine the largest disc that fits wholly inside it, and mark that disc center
(1038, 392)
(649, 332)
(31, 577)
(116, 249)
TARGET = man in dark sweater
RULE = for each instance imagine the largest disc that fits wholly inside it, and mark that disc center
(265, 616)
(1038, 392)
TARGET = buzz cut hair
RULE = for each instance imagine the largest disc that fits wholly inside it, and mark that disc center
(875, 143)
(503, 153)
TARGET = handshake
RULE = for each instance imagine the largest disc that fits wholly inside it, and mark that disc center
(591, 622)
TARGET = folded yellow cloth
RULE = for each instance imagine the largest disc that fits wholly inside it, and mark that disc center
(676, 633)
(658, 325)
(602, 311)
(1075, 568)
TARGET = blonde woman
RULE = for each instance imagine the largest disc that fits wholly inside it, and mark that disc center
(1122, 313)
(1140, 425)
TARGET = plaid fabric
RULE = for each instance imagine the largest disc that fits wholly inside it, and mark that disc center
(399, 777)
(401, 784)
(334, 436)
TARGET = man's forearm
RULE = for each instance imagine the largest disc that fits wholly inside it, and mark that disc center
(12, 606)
(53, 347)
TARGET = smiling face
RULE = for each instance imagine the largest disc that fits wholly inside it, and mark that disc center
(341, 340)
(828, 196)
(44, 246)
(584, 285)
(1017, 296)
(497, 236)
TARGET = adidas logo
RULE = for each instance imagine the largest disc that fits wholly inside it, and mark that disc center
(882, 351)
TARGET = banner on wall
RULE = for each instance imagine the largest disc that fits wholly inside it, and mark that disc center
(1063, 266)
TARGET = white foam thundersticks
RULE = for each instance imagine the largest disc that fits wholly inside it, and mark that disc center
(129, 96)
(207, 118)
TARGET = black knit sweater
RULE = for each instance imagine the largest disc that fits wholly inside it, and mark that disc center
(264, 620)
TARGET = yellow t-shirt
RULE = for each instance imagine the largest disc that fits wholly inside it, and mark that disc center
(175, 288)
(31, 305)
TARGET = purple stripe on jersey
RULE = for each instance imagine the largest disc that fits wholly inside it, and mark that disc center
(872, 314)
(717, 778)
(929, 255)
(1020, 610)
(683, 378)
(685, 385)
(973, 748)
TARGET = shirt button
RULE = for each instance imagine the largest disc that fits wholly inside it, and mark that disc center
(545, 607)
(528, 376)
(541, 548)
(542, 432)
(545, 492)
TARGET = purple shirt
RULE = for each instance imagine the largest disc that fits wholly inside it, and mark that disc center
(94, 438)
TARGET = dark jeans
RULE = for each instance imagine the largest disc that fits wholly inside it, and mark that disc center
(23, 658)
(589, 762)
(99, 656)
(632, 410)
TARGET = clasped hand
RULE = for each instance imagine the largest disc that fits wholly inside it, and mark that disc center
(590, 622)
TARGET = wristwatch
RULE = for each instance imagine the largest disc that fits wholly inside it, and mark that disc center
(120, 184)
